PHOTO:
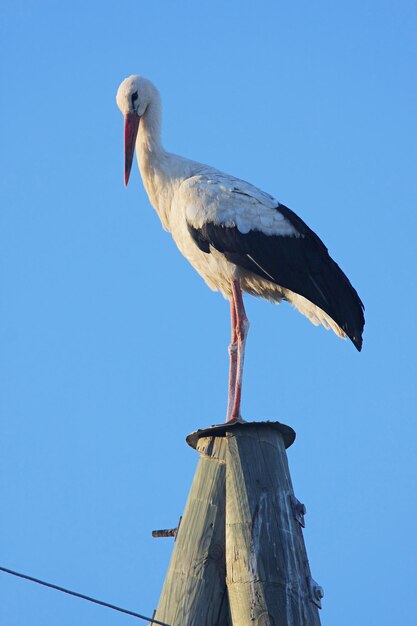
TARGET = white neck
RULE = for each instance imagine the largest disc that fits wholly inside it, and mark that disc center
(149, 135)
(153, 160)
(161, 171)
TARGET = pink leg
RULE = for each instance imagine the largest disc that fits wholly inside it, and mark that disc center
(233, 359)
(242, 328)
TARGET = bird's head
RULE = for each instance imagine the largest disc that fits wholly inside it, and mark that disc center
(133, 98)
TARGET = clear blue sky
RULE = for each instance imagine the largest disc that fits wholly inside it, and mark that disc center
(113, 349)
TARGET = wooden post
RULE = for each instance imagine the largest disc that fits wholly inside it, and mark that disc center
(194, 591)
(241, 525)
(268, 577)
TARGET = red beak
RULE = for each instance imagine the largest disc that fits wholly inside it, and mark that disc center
(131, 130)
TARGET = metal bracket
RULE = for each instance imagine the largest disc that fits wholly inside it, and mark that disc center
(168, 532)
(316, 592)
(299, 510)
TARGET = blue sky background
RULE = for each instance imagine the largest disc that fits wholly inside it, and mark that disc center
(113, 349)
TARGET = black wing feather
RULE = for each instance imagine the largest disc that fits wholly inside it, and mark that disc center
(301, 264)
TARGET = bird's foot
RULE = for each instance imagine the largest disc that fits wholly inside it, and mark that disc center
(237, 419)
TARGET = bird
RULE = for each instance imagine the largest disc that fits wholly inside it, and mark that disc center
(239, 238)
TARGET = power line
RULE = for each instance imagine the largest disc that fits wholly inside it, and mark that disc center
(82, 596)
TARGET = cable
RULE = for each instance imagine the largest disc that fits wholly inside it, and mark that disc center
(81, 595)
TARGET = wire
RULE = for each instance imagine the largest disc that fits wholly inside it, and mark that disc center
(84, 597)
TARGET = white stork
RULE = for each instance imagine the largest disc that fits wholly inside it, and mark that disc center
(236, 236)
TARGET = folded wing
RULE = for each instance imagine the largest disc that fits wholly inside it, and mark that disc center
(258, 234)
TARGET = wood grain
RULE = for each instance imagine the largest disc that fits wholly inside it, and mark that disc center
(194, 591)
(268, 576)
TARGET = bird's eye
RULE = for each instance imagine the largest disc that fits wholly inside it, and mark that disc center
(134, 97)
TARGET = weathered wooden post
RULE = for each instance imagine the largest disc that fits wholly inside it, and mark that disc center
(241, 527)
(268, 576)
(194, 591)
